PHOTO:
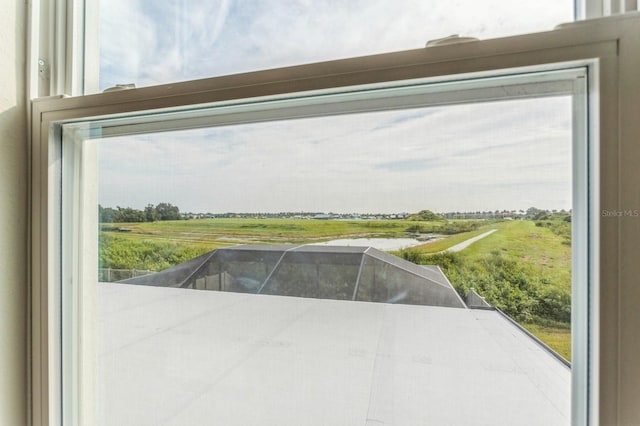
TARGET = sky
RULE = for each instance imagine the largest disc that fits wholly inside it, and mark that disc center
(500, 155)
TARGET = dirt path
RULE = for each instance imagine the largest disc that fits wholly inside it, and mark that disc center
(463, 245)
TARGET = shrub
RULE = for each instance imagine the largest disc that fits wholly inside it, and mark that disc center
(123, 253)
(506, 282)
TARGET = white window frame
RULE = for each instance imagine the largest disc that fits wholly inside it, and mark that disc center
(610, 48)
(63, 48)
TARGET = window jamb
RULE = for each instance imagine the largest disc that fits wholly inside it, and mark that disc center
(63, 36)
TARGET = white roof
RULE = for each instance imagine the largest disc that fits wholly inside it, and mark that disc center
(172, 356)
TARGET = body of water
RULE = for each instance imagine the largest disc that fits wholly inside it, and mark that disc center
(385, 244)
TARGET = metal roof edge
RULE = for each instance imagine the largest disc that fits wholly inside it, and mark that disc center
(404, 265)
(535, 339)
(464, 305)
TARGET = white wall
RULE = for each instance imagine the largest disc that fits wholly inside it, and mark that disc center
(13, 214)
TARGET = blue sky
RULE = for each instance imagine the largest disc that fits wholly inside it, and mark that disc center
(503, 155)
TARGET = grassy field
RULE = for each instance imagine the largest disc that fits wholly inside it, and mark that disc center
(220, 232)
(545, 253)
(159, 245)
(557, 338)
(451, 240)
(524, 268)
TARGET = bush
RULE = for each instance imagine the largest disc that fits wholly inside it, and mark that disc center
(425, 215)
(123, 253)
(412, 256)
(506, 282)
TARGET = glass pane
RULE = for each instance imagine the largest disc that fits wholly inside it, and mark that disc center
(239, 269)
(266, 299)
(322, 275)
(154, 42)
(390, 281)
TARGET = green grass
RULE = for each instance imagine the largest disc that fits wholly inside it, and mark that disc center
(159, 245)
(451, 240)
(127, 252)
(545, 252)
(557, 338)
(221, 231)
(215, 233)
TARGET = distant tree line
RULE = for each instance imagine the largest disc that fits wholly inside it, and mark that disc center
(151, 213)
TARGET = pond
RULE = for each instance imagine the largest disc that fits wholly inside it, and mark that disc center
(385, 244)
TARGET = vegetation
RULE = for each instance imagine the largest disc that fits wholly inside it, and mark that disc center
(151, 213)
(426, 215)
(228, 231)
(120, 252)
(449, 227)
(558, 337)
(158, 245)
(512, 285)
(559, 225)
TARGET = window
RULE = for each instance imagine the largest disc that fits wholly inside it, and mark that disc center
(62, 179)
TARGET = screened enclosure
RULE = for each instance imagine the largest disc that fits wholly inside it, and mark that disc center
(321, 272)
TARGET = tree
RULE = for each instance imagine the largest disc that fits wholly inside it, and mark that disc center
(163, 211)
(536, 214)
(150, 214)
(426, 215)
(129, 215)
(106, 214)
(166, 211)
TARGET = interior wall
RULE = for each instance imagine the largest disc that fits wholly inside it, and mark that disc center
(13, 214)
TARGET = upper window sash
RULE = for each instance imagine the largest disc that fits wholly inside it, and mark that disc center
(64, 42)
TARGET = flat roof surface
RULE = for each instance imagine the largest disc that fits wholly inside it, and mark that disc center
(169, 356)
